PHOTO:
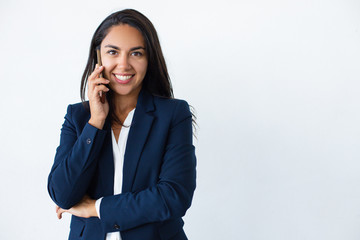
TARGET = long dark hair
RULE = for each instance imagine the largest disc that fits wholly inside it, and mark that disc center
(156, 80)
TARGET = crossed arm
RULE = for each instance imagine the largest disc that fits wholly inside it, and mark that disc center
(169, 198)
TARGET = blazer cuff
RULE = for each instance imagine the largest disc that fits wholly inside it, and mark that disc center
(97, 206)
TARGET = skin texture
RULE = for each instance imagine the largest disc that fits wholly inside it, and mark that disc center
(124, 60)
(123, 53)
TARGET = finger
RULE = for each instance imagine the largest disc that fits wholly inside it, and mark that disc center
(98, 81)
(101, 87)
(95, 82)
(96, 72)
(59, 213)
(95, 92)
(99, 95)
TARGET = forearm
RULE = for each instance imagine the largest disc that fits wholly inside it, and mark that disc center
(85, 209)
(74, 166)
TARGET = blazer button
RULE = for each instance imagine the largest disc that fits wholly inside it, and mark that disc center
(116, 226)
(88, 141)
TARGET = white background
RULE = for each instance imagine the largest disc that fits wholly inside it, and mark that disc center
(275, 85)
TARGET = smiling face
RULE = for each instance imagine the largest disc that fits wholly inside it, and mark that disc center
(124, 58)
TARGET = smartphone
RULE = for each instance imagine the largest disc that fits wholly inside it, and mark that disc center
(101, 93)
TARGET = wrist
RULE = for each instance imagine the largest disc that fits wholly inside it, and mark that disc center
(97, 206)
(94, 213)
(98, 123)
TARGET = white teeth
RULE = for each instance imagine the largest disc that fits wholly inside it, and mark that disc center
(123, 78)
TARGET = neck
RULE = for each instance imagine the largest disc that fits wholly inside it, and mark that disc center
(124, 104)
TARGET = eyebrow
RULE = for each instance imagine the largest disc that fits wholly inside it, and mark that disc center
(131, 49)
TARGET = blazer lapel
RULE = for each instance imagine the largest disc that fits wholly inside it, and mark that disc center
(139, 131)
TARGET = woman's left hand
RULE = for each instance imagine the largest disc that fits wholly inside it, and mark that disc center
(85, 208)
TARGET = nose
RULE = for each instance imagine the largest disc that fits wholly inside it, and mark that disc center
(123, 62)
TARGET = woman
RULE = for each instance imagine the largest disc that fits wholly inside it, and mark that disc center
(125, 167)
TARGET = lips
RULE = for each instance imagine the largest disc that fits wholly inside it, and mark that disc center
(123, 78)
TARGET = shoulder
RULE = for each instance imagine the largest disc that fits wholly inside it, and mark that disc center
(171, 105)
(80, 107)
(175, 110)
(78, 113)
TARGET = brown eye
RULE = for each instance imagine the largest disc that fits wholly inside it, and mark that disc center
(136, 54)
(112, 52)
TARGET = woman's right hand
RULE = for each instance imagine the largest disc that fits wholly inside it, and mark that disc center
(98, 110)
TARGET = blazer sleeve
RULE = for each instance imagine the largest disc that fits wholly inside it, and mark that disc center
(75, 161)
(172, 195)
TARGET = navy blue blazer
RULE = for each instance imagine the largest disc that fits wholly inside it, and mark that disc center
(158, 173)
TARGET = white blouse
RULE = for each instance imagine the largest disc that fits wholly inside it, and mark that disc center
(118, 153)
